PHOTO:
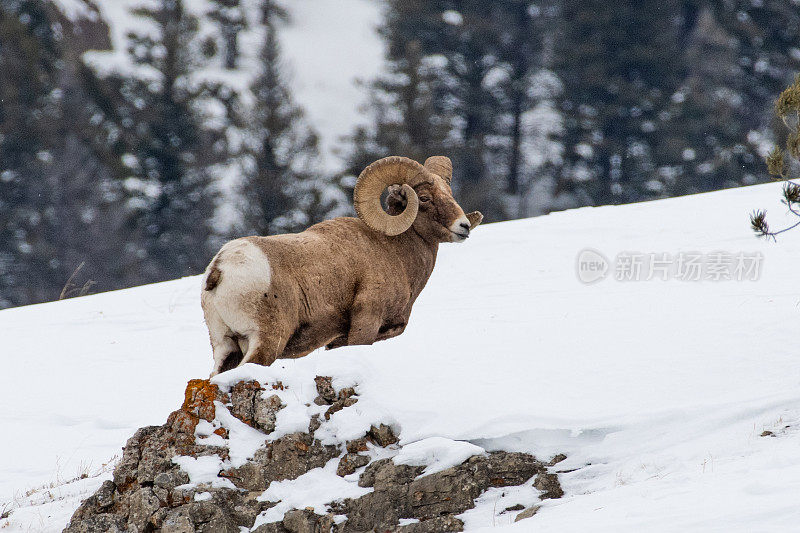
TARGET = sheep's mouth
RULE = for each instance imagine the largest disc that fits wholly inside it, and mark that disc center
(459, 237)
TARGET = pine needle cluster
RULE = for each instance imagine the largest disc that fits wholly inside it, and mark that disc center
(779, 160)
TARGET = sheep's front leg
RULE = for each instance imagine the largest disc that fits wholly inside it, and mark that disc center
(365, 321)
(392, 331)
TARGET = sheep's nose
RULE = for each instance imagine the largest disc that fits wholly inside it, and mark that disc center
(460, 229)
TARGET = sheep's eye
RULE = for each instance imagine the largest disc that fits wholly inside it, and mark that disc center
(424, 198)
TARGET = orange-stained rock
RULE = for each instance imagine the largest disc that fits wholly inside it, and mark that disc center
(182, 422)
(199, 398)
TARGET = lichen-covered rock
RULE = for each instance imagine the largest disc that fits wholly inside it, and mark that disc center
(143, 504)
(549, 485)
(351, 462)
(243, 396)
(150, 492)
(108, 523)
(199, 398)
(170, 479)
(288, 457)
(385, 472)
(382, 435)
(338, 405)
(356, 445)
(314, 424)
(346, 393)
(273, 527)
(306, 521)
(177, 522)
(145, 486)
(126, 471)
(300, 521)
(249, 405)
(265, 412)
(104, 497)
(400, 493)
(327, 394)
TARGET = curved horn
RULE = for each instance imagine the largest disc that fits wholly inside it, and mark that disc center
(394, 170)
(441, 166)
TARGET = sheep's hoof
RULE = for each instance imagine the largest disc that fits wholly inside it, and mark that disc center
(336, 343)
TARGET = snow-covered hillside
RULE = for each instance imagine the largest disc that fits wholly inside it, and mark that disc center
(658, 391)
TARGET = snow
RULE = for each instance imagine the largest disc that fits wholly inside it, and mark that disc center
(453, 18)
(121, 20)
(203, 496)
(436, 454)
(243, 440)
(297, 392)
(203, 470)
(75, 10)
(49, 507)
(490, 505)
(658, 391)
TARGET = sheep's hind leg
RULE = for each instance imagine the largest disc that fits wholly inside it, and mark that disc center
(233, 358)
(226, 352)
(262, 349)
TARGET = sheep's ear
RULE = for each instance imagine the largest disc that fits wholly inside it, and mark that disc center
(474, 218)
(395, 200)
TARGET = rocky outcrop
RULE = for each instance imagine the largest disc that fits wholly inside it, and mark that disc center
(151, 492)
(434, 499)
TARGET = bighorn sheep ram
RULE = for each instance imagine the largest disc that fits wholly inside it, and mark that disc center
(345, 281)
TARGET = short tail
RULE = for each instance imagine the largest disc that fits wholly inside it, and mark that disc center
(214, 275)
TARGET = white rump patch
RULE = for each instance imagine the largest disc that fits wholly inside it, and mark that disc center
(243, 264)
(246, 276)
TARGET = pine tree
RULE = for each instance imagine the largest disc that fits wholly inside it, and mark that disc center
(54, 216)
(468, 96)
(780, 161)
(229, 16)
(619, 64)
(712, 129)
(284, 190)
(164, 150)
(449, 91)
(27, 114)
(529, 123)
(765, 34)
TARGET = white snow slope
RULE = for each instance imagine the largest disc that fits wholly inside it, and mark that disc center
(658, 391)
